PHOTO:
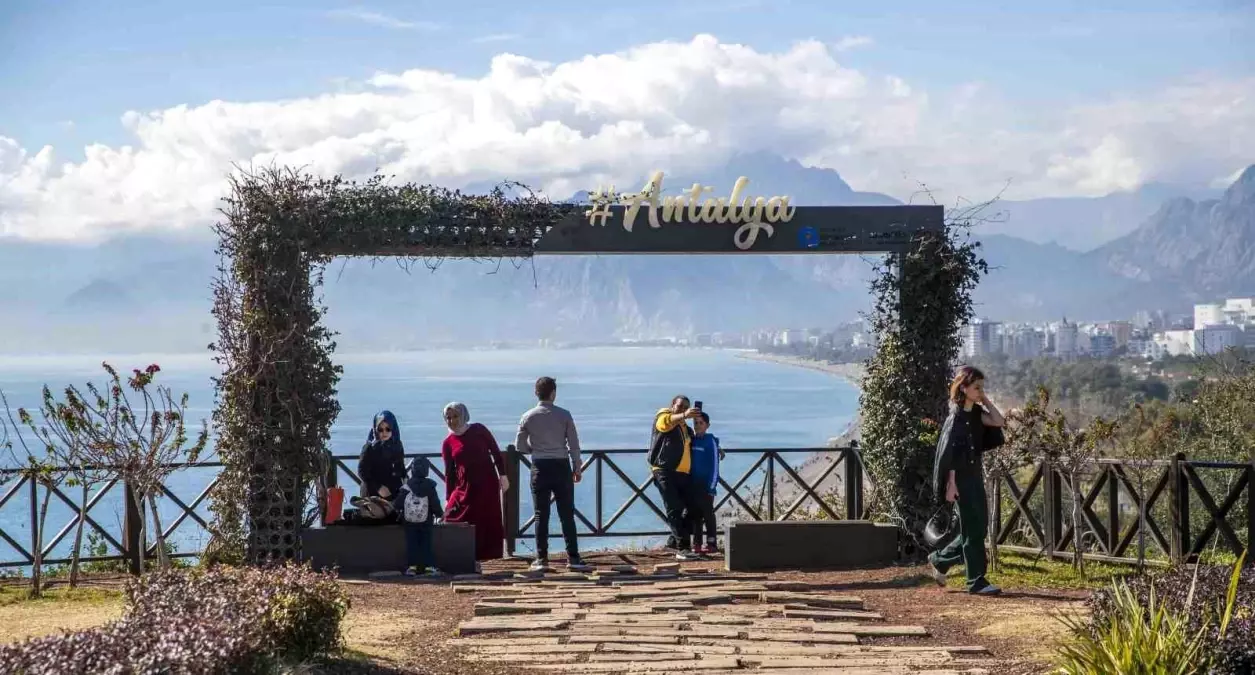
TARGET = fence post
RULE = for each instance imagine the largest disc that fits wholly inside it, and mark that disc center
(771, 486)
(1250, 513)
(1053, 506)
(1113, 511)
(1178, 510)
(853, 484)
(132, 531)
(35, 542)
(510, 507)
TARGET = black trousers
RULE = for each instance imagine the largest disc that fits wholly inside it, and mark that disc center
(705, 517)
(551, 478)
(679, 504)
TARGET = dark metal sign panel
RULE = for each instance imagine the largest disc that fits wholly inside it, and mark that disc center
(600, 229)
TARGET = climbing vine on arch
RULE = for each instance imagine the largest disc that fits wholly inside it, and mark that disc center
(276, 395)
(921, 300)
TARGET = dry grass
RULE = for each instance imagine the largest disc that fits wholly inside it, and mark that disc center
(59, 610)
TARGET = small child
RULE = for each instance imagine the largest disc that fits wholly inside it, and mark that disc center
(706, 454)
(418, 507)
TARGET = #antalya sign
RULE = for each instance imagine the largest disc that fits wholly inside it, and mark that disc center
(754, 214)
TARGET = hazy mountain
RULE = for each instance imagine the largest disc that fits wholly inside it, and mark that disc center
(1203, 249)
(149, 293)
(1082, 223)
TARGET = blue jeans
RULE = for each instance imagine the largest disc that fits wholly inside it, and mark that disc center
(418, 552)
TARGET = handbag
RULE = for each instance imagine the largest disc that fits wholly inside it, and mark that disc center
(942, 527)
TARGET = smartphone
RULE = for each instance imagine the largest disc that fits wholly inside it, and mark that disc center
(697, 404)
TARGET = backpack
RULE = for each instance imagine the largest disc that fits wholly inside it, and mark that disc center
(416, 508)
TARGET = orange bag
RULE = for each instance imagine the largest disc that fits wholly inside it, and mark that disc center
(335, 505)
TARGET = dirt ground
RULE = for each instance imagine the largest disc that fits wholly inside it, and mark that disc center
(398, 626)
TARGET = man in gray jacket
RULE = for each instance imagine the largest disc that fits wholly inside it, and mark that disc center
(547, 433)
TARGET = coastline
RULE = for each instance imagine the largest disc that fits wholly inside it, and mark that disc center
(850, 372)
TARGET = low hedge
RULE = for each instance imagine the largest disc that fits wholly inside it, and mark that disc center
(1232, 654)
(224, 620)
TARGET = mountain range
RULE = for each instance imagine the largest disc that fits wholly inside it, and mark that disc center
(1099, 258)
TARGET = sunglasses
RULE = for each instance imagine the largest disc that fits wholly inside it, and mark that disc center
(383, 430)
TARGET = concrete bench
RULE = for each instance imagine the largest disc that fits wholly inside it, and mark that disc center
(809, 545)
(381, 548)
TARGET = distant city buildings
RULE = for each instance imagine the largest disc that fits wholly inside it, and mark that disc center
(1150, 334)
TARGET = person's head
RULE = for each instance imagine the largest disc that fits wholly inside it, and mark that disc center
(457, 417)
(701, 424)
(384, 428)
(968, 385)
(418, 469)
(680, 404)
(546, 389)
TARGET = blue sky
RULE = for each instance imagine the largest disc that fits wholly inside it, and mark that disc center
(86, 62)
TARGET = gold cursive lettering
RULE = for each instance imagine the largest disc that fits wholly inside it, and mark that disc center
(754, 214)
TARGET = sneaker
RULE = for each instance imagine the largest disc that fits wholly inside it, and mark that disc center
(577, 564)
(411, 572)
(538, 565)
(432, 572)
(936, 573)
(987, 589)
(712, 548)
(687, 556)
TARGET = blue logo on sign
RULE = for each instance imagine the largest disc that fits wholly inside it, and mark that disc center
(808, 237)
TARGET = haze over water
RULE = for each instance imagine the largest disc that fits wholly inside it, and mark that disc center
(612, 393)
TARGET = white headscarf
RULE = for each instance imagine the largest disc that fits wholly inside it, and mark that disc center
(464, 417)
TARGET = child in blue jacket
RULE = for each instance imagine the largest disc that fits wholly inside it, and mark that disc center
(418, 506)
(705, 456)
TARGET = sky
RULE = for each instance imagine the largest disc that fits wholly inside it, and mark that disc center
(128, 115)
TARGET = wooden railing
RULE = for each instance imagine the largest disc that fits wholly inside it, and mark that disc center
(1191, 507)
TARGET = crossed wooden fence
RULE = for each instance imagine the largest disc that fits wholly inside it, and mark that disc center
(1033, 518)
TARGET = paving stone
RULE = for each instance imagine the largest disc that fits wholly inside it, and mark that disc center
(554, 648)
(640, 658)
(624, 639)
(498, 609)
(824, 638)
(832, 615)
(872, 630)
(513, 640)
(716, 663)
(770, 661)
(480, 627)
(621, 629)
(525, 658)
(812, 600)
(667, 568)
(664, 648)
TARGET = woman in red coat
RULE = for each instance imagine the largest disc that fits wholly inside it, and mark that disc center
(474, 480)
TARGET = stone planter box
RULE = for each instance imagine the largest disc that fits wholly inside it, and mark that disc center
(381, 548)
(810, 545)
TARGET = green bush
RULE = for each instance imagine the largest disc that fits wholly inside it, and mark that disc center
(1132, 639)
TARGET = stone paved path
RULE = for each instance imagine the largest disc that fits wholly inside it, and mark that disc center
(621, 620)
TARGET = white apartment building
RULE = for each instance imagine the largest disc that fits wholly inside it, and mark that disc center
(792, 336)
(981, 338)
(1066, 338)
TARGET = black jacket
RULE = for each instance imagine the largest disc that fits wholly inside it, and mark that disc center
(422, 487)
(381, 464)
(962, 441)
(666, 448)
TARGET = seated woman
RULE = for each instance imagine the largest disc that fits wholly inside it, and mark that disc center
(381, 465)
(474, 480)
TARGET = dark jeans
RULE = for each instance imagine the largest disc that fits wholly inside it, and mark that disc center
(418, 552)
(705, 518)
(674, 487)
(969, 547)
(552, 478)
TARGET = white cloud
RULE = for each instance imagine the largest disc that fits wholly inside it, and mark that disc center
(379, 19)
(850, 42)
(615, 117)
(496, 37)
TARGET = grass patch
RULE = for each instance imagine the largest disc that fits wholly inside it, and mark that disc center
(1018, 570)
(15, 594)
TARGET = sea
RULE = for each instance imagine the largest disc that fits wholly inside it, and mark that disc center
(613, 393)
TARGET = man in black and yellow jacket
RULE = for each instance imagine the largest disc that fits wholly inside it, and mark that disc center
(670, 458)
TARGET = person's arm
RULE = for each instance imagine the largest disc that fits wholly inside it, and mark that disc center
(667, 420)
(494, 451)
(952, 488)
(450, 473)
(365, 472)
(990, 416)
(522, 440)
(714, 469)
(573, 444)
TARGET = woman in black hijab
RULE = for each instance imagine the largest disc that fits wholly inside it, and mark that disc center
(381, 465)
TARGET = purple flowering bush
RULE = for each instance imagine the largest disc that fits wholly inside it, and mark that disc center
(224, 620)
(1230, 654)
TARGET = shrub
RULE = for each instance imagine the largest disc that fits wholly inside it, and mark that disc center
(223, 620)
(1133, 637)
(1202, 595)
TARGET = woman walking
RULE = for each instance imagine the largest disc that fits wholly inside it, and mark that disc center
(474, 480)
(973, 426)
